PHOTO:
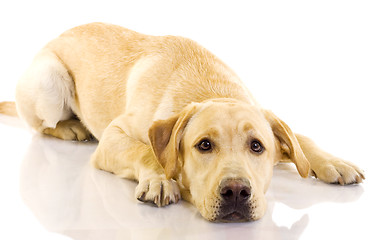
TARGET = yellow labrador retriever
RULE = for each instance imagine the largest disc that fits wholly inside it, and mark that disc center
(168, 114)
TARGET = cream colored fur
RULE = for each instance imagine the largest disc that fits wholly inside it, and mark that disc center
(150, 100)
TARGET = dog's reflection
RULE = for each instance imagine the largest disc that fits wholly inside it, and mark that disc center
(68, 196)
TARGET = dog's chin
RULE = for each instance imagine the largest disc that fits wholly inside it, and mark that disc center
(242, 213)
(234, 217)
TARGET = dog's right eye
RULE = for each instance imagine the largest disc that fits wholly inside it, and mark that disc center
(204, 146)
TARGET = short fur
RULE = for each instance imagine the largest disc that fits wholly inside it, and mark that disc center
(150, 100)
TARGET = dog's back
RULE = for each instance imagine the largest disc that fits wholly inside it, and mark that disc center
(99, 71)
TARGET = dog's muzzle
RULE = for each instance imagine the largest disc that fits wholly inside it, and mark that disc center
(235, 205)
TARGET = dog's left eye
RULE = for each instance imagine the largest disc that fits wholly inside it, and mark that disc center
(256, 146)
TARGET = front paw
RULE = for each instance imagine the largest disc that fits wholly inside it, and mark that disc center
(159, 191)
(338, 171)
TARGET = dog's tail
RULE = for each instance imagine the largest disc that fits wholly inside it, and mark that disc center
(8, 108)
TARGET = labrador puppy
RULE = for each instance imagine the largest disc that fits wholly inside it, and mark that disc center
(168, 114)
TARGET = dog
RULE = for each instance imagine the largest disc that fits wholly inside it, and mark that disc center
(168, 114)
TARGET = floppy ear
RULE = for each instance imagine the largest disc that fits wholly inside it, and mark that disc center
(289, 146)
(165, 136)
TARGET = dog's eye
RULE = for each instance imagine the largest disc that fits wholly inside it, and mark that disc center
(204, 145)
(256, 146)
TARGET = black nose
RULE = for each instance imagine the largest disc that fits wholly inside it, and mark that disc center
(235, 190)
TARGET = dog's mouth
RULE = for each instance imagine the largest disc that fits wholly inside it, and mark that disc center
(234, 217)
(241, 213)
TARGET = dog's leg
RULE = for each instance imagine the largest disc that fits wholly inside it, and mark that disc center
(327, 167)
(129, 158)
(44, 97)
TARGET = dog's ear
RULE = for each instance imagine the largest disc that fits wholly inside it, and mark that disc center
(165, 136)
(288, 144)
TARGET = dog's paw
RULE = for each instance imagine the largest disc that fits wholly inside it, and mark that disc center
(71, 129)
(338, 171)
(159, 191)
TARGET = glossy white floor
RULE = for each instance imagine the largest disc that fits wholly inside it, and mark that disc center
(49, 191)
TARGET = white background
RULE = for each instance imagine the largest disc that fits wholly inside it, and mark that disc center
(308, 61)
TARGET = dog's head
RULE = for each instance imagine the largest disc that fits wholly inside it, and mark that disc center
(222, 153)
